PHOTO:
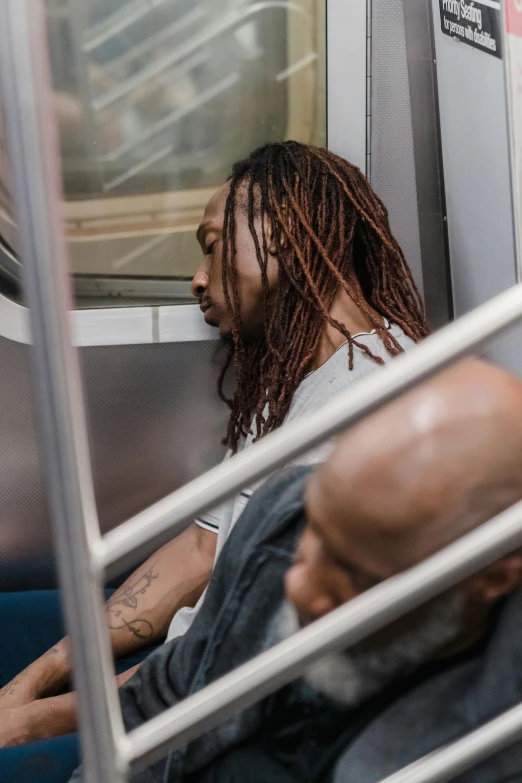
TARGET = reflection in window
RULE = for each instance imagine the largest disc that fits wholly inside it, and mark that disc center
(155, 99)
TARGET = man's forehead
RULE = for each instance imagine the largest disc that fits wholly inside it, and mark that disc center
(215, 209)
(387, 482)
(379, 489)
(342, 536)
(400, 482)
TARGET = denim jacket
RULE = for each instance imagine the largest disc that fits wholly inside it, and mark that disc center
(246, 591)
(445, 708)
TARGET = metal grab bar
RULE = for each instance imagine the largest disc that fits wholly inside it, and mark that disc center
(337, 631)
(223, 85)
(443, 765)
(118, 21)
(25, 80)
(108, 753)
(231, 22)
(157, 524)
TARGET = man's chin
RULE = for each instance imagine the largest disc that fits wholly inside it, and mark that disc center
(334, 676)
(226, 338)
(210, 319)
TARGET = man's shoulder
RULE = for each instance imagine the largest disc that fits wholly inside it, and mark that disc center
(463, 696)
(281, 492)
(288, 482)
(270, 507)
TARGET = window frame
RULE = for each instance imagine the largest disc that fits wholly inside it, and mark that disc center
(347, 134)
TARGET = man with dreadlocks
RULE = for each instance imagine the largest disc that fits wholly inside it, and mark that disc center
(307, 285)
(310, 291)
(300, 261)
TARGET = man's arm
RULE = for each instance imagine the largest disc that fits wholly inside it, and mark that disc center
(44, 718)
(138, 614)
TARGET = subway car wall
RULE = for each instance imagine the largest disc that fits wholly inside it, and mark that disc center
(154, 102)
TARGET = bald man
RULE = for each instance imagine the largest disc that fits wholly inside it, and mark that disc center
(429, 468)
(399, 486)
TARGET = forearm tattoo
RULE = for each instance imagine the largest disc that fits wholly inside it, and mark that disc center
(12, 687)
(127, 597)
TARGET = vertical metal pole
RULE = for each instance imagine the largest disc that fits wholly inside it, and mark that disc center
(27, 100)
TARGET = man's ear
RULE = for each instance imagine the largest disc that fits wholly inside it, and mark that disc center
(499, 579)
(271, 238)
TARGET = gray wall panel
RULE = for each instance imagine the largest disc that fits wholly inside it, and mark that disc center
(155, 422)
(473, 116)
(428, 160)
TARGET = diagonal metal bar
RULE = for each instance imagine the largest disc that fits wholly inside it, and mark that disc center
(116, 65)
(337, 631)
(117, 22)
(24, 73)
(159, 523)
(229, 24)
(26, 88)
(445, 764)
(174, 117)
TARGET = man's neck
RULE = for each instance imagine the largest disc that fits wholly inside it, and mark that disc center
(345, 311)
(476, 629)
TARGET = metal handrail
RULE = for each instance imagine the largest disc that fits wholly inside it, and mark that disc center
(108, 753)
(231, 22)
(117, 22)
(445, 764)
(340, 629)
(158, 523)
(33, 146)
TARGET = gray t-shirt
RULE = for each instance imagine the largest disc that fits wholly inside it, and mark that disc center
(318, 387)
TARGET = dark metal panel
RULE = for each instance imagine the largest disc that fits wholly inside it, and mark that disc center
(428, 161)
(155, 422)
(406, 166)
(392, 154)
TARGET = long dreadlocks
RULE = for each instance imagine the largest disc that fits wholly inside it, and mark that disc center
(331, 231)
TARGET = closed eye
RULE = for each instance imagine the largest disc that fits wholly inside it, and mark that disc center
(361, 579)
(208, 250)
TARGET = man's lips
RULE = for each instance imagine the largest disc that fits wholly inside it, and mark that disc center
(204, 306)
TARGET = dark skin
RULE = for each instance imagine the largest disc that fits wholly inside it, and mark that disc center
(207, 284)
(29, 709)
(450, 460)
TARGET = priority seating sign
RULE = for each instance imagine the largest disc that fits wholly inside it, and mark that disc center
(477, 23)
(513, 10)
(514, 17)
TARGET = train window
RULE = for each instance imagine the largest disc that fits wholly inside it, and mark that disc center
(155, 99)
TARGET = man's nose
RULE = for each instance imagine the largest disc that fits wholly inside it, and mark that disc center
(308, 592)
(199, 283)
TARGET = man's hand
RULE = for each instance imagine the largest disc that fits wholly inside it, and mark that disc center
(39, 720)
(138, 615)
(16, 727)
(17, 693)
(43, 678)
(44, 718)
